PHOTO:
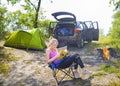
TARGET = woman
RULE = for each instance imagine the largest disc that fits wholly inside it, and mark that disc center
(52, 54)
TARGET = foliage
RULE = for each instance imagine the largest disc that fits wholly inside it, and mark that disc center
(11, 21)
(44, 23)
(115, 31)
(19, 20)
(13, 1)
(3, 19)
(104, 40)
(113, 38)
(30, 6)
(116, 3)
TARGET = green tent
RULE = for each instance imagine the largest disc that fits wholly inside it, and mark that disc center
(24, 39)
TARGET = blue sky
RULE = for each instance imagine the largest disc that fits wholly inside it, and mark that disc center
(95, 10)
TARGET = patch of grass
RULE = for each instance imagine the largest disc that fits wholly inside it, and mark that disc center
(100, 73)
(4, 61)
(93, 45)
(109, 69)
(104, 40)
(37, 71)
(118, 74)
(4, 67)
(7, 56)
(9, 59)
(4, 64)
(114, 83)
(116, 63)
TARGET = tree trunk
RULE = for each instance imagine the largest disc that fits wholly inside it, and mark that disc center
(36, 17)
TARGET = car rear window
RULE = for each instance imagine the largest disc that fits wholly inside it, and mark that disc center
(66, 29)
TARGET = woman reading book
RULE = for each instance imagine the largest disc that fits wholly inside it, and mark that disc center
(52, 56)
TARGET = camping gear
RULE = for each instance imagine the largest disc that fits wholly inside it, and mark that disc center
(66, 73)
(26, 39)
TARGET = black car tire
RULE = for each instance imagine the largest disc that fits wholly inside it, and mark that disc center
(80, 43)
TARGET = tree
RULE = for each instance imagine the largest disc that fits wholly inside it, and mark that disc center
(116, 3)
(115, 30)
(3, 11)
(37, 8)
(3, 19)
(19, 20)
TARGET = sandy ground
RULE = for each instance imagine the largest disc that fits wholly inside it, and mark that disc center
(32, 70)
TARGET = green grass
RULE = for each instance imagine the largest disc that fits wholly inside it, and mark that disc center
(116, 63)
(104, 40)
(4, 67)
(4, 61)
(100, 73)
(108, 41)
(118, 75)
(109, 68)
(4, 64)
(114, 83)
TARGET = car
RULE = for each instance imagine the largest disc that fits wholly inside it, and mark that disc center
(69, 31)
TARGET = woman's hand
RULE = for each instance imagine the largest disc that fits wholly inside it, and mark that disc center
(58, 55)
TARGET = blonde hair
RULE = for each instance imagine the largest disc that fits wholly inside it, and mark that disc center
(53, 40)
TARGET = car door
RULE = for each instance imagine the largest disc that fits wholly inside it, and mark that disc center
(95, 31)
(88, 30)
(64, 17)
(83, 29)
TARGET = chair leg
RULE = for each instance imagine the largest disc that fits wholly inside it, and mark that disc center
(67, 72)
(55, 75)
(73, 73)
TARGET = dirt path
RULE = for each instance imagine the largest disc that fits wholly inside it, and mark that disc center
(31, 69)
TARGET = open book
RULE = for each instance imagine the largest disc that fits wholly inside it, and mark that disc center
(63, 52)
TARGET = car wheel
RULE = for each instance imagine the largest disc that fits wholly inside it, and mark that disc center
(80, 43)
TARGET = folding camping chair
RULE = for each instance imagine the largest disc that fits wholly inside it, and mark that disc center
(67, 72)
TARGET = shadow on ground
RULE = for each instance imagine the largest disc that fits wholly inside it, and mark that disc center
(77, 82)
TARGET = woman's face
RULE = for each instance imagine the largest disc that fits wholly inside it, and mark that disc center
(54, 44)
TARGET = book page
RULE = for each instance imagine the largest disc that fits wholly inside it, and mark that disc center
(62, 48)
